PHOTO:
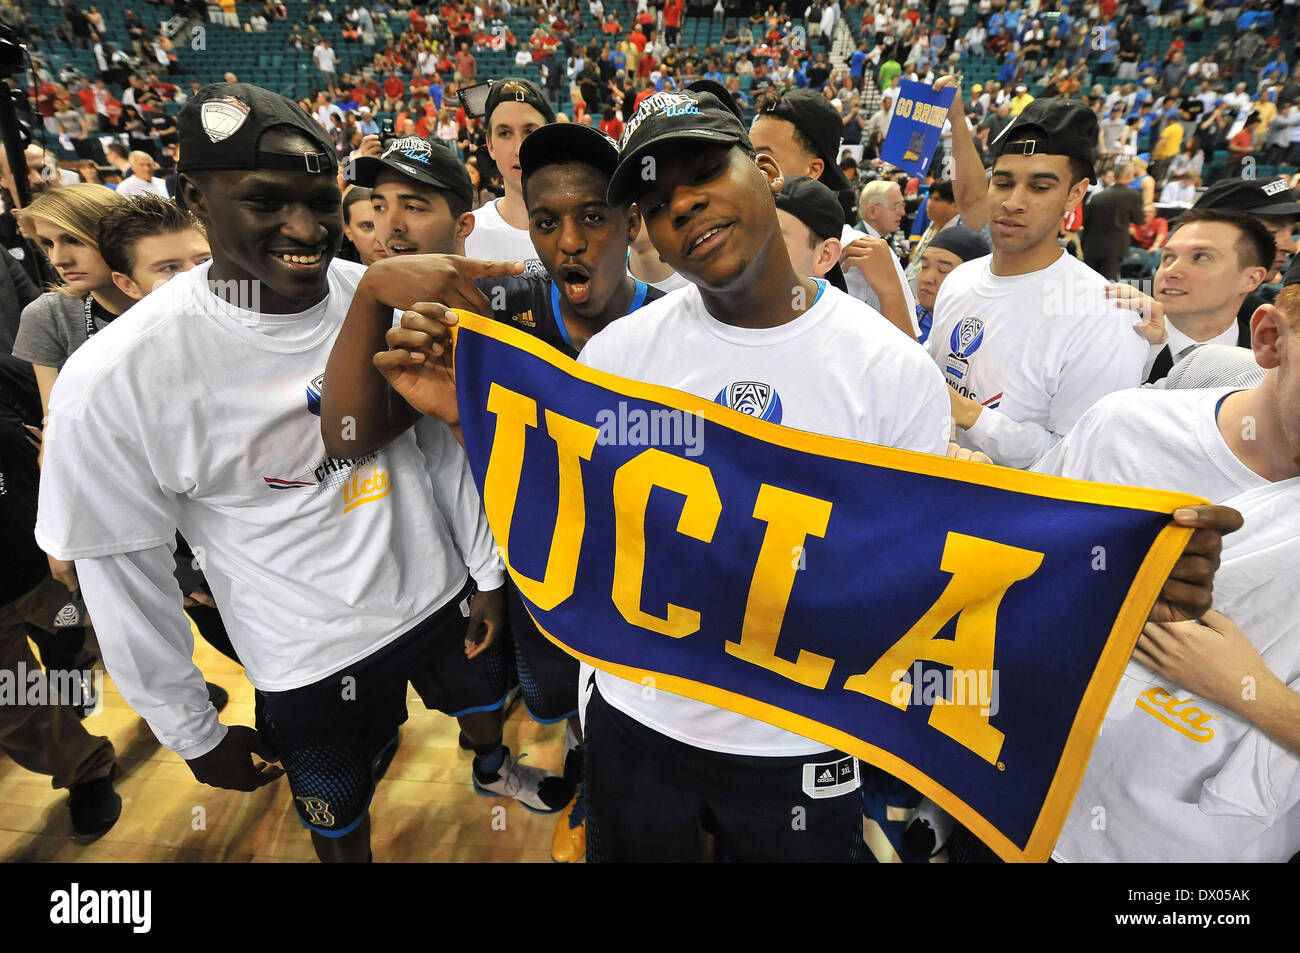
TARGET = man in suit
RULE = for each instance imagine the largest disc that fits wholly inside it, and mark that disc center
(1106, 219)
(1214, 258)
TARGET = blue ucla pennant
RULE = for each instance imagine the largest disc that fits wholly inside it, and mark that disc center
(962, 626)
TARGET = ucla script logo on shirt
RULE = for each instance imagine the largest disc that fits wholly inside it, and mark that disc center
(1180, 714)
(752, 397)
(362, 479)
(965, 340)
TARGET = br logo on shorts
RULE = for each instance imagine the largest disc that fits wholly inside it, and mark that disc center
(752, 397)
(317, 811)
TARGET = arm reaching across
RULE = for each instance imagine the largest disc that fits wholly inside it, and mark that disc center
(359, 411)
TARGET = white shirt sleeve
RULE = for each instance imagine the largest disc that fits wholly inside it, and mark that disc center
(457, 497)
(148, 647)
(1100, 365)
(99, 494)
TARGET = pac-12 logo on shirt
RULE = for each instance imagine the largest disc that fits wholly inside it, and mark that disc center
(752, 397)
(966, 337)
(965, 340)
(313, 393)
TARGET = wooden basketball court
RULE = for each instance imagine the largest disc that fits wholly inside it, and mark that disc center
(424, 810)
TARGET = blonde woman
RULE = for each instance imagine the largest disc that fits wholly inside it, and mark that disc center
(62, 223)
(448, 132)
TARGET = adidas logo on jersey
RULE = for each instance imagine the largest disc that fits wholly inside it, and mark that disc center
(525, 318)
(831, 779)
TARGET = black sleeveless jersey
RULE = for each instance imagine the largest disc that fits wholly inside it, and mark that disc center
(531, 302)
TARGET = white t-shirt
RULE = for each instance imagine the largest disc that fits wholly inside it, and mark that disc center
(1195, 783)
(839, 369)
(860, 289)
(138, 186)
(325, 58)
(1036, 350)
(494, 239)
(189, 413)
(671, 283)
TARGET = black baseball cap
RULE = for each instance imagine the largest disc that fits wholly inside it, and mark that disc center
(817, 207)
(516, 89)
(568, 142)
(1252, 196)
(721, 92)
(961, 241)
(817, 119)
(1059, 127)
(424, 160)
(219, 130)
(679, 118)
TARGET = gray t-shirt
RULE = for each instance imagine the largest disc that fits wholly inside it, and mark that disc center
(1112, 134)
(53, 326)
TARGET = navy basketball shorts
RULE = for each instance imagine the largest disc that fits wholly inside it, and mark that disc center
(333, 734)
(648, 794)
(547, 674)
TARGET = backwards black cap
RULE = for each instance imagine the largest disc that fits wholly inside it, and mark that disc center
(1059, 127)
(1253, 196)
(817, 119)
(219, 129)
(516, 89)
(817, 207)
(961, 241)
(423, 160)
(670, 117)
(568, 142)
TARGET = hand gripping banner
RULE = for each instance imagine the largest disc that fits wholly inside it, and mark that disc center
(961, 626)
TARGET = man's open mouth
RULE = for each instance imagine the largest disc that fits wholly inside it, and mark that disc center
(575, 280)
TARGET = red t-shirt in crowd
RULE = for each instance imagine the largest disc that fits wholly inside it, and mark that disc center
(637, 39)
(673, 13)
(1074, 219)
(394, 88)
(1144, 236)
(1241, 143)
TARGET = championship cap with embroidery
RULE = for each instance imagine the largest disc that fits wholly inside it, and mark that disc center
(676, 118)
(221, 127)
(813, 115)
(817, 207)
(1058, 127)
(1253, 196)
(424, 160)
